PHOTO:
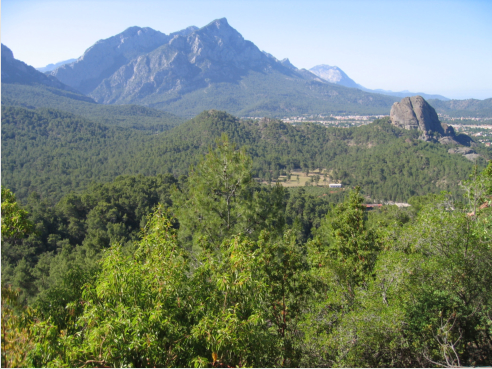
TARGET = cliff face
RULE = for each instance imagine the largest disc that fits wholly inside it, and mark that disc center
(334, 75)
(106, 56)
(416, 113)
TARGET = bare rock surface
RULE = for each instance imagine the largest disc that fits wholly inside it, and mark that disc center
(461, 150)
(334, 74)
(106, 56)
(415, 113)
(213, 54)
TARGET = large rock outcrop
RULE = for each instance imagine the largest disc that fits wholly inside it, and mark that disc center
(416, 113)
(334, 75)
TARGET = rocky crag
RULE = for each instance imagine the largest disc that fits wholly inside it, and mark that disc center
(335, 75)
(180, 62)
(416, 113)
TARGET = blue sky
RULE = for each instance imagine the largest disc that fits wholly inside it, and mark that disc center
(440, 47)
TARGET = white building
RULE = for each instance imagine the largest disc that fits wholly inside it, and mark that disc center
(335, 185)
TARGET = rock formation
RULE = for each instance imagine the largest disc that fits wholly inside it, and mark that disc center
(197, 69)
(468, 153)
(416, 113)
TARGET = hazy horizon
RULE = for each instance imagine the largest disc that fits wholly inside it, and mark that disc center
(435, 47)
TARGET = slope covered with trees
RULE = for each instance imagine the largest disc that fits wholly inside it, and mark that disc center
(52, 153)
(216, 278)
(128, 116)
(464, 108)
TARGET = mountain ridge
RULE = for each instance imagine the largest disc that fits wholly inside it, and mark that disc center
(335, 75)
(53, 66)
(15, 71)
(214, 64)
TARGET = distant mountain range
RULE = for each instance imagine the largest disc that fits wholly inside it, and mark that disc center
(336, 75)
(211, 67)
(51, 67)
(197, 69)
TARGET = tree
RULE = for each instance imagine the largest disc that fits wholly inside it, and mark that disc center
(15, 222)
(350, 248)
(220, 199)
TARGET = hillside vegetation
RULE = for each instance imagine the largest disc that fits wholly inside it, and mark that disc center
(129, 116)
(464, 108)
(52, 153)
(270, 94)
(223, 273)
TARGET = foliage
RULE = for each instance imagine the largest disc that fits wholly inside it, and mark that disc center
(129, 116)
(220, 199)
(425, 302)
(246, 274)
(15, 223)
(53, 153)
(17, 339)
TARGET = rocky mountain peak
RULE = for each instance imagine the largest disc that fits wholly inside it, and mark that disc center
(220, 23)
(286, 63)
(219, 31)
(333, 74)
(106, 56)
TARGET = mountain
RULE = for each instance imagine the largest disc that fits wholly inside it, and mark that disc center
(24, 86)
(338, 76)
(130, 116)
(464, 108)
(210, 67)
(406, 93)
(51, 67)
(17, 72)
(106, 56)
(334, 75)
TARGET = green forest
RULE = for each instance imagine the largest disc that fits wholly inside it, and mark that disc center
(53, 153)
(212, 269)
(133, 238)
(198, 229)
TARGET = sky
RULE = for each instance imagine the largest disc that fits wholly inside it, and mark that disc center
(432, 46)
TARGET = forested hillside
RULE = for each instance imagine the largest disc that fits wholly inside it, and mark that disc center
(464, 108)
(132, 237)
(129, 116)
(227, 272)
(53, 153)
